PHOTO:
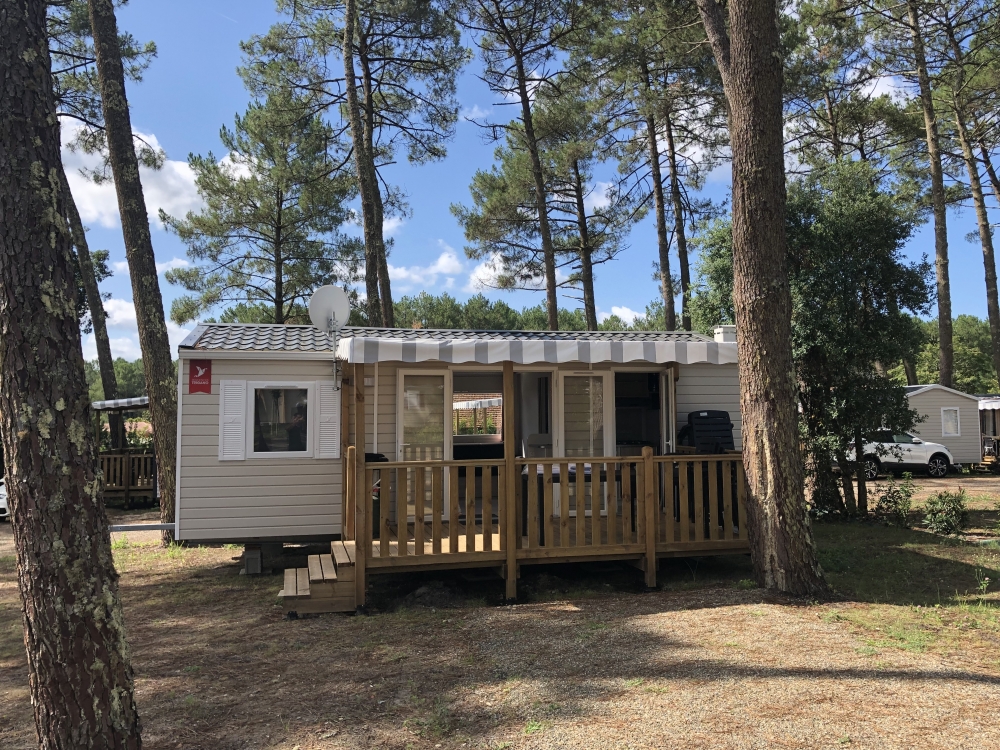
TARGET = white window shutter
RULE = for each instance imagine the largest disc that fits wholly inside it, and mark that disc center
(328, 432)
(232, 420)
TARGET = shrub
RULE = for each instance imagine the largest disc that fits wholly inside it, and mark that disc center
(946, 512)
(895, 500)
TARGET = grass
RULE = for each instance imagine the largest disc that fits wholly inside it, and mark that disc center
(215, 658)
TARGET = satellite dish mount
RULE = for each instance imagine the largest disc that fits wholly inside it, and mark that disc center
(329, 309)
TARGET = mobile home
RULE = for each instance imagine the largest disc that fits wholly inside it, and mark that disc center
(951, 418)
(413, 448)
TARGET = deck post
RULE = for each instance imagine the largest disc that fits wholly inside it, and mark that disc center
(362, 493)
(510, 504)
(649, 507)
(346, 396)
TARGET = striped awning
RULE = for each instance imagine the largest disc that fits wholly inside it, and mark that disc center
(988, 404)
(481, 403)
(120, 404)
(372, 348)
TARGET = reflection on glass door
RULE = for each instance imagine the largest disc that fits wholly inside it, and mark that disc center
(583, 416)
(423, 418)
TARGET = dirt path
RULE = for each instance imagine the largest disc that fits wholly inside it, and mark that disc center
(718, 667)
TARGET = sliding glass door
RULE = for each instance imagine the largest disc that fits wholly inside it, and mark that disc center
(586, 424)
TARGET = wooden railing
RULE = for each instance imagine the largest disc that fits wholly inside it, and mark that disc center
(523, 510)
(127, 474)
(436, 509)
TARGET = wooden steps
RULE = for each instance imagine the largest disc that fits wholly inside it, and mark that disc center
(325, 585)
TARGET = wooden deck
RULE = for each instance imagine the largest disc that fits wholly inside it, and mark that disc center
(420, 515)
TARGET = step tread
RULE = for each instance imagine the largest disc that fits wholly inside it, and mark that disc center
(322, 569)
(342, 554)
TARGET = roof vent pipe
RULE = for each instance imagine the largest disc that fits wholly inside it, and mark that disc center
(725, 334)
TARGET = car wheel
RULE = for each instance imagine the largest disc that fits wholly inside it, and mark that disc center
(871, 467)
(938, 466)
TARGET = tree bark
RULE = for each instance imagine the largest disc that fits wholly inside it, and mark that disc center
(79, 675)
(385, 290)
(541, 197)
(847, 469)
(946, 347)
(279, 270)
(586, 260)
(367, 180)
(98, 319)
(161, 381)
(985, 236)
(859, 472)
(659, 208)
(911, 372)
(780, 536)
(675, 199)
(991, 172)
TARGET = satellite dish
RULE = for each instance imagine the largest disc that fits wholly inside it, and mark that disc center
(329, 308)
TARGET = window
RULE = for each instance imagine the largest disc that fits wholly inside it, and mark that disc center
(950, 423)
(583, 415)
(422, 417)
(280, 421)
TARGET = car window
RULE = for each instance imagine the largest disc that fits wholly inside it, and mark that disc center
(904, 438)
(882, 437)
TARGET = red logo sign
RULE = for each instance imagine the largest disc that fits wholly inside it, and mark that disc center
(200, 376)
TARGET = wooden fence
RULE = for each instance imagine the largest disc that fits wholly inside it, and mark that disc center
(128, 474)
(456, 514)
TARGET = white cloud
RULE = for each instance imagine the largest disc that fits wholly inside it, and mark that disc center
(392, 225)
(475, 112)
(484, 275)
(598, 196)
(172, 264)
(625, 313)
(121, 266)
(171, 188)
(123, 332)
(447, 264)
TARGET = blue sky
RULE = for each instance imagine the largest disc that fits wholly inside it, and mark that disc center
(192, 89)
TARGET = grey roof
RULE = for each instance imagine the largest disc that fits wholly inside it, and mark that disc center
(261, 337)
(254, 337)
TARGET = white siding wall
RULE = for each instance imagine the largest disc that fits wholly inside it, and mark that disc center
(287, 498)
(967, 448)
(710, 387)
(278, 498)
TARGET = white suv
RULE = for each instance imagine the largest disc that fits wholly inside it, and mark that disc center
(3, 500)
(906, 452)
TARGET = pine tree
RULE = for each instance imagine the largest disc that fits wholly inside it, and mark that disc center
(383, 72)
(749, 59)
(268, 235)
(161, 381)
(79, 674)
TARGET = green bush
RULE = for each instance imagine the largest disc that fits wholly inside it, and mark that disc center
(895, 500)
(946, 512)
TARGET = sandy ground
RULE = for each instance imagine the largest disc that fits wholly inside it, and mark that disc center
(595, 665)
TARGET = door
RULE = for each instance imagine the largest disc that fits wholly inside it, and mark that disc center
(911, 454)
(422, 417)
(585, 427)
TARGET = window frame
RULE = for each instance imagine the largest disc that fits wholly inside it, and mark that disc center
(958, 421)
(312, 417)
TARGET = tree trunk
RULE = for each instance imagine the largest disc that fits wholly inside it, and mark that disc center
(105, 362)
(946, 357)
(859, 472)
(675, 200)
(985, 236)
(911, 371)
(385, 290)
(279, 269)
(367, 180)
(780, 536)
(586, 264)
(161, 381)
(991, 172)
(541, 197)
(79, 675)
(847, 482)
(659, 207)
